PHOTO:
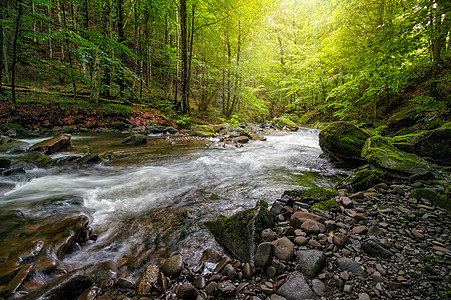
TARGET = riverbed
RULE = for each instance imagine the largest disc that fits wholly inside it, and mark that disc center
(152, 200)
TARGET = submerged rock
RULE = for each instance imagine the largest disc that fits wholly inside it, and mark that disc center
(240, 233)
(343, 142)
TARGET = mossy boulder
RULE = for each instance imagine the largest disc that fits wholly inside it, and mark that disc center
(8, 145)
(319, 194)
(383, 156)
(432, 124)
(446, 125)
(328, 205)
(435, 144)
(14, 130)
(433, 196)
(405, 118)
(235, 131)
(203, 131)
(240, 233)
(343, 142)
(361, 180)
(285, 123)
(135, 140)
(382, 130)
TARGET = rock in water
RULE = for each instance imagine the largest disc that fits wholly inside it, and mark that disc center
(282, 123)
(67, 287)
(343, 142)
(296, 288)
(240, 233)
(203, 131)
(173, 265)
(8, 145)
(53, 145)
(135, 140)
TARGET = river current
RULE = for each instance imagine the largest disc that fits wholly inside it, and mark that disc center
(152, 200)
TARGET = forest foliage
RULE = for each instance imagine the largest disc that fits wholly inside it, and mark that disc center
(345, 59)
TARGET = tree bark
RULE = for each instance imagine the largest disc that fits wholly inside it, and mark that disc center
(16, 37)
(121, 39)
(184, 31)
(74, 86)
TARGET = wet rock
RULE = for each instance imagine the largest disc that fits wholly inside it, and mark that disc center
(241, 139)
(91, 293)
(89, 159)
(149, 279)
(4, 163)
(200, 282)
(271, 271)
(360, 229)
(187, 291)
(211, 288)
(173, 265)
(230, 272)
(296, 288)
(203, 131)
(124, 283)
(67, 287)
(210, 255)
(226, 289)
(435, 144)
(374, 247)
(103, 271)
(310, 262)
(283, 249)
(263, 255)
(241, 232)
(224, 261)
(15, 283)
(13, 146)
(247, 270)
(9, 267)
(268, 235)
(135, 140)
(350, 265)
(361, 181)
(14, 130)
(53, 145)
(284, 123)
(46, 266)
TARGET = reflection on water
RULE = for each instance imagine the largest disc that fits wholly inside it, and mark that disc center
(138, 202)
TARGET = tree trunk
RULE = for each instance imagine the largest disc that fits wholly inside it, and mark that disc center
(16, 37)
(49, 10)
(2, 7)
(74, 86)
(121, 39)
(184, 29)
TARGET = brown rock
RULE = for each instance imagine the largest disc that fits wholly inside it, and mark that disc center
(173, 265)
(439, 248)
(283, 249)
(300, 216)
(339, 240)
(346, 202)
(210, 255)
(14, 284)
(360, 229)
(310, 226)
(314, 243)
(9, 267)
(300, 240)
(359, 217)
(53, 145)
(149, 278)
(358, 195)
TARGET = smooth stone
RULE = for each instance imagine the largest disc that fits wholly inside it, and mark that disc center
(350, 265)
(283, 249)
(226, 289)
(375, 231)
(318, 287)
(263, 255)
(360, 229)
(296, 288)
(364, 296)
(187, 291)
(346, 202)
(210, 255)
(91, 293)
(15, 283)
(211, 288)
(277, 297)
(9, 267)
(310, 226)
(230, 272)
(300, 240)
(224, 261)
(247, 270)
(339, 239)
(310, 262)
(173, 265)
(268, 235)
(373, 247)
(271, 271)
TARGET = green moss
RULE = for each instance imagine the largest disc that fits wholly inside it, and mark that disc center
(203, 131)
(405, 117)
(20, 131)
(362, 180)
(283, 122)
(432, 195)
(384, 156)
(319, 194)
(343, 139)
(328, 205)
(382, 130)
(446, 125)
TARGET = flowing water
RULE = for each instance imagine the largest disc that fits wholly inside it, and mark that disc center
(151, 200)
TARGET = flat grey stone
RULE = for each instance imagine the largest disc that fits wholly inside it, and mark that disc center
(296, 288)
(350, 265)
(310, 262)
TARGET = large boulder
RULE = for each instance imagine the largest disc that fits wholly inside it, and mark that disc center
(284, 123)
(405, 118)
(382, 155)
(343, 142)
(135, 140)
(435, 144)
(203, 131)
(361, 180)
(53, 145)
(8, 145)
(240, 233)
(14, 130)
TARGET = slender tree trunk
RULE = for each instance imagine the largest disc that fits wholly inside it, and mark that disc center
(74, 86)
(177, 71)
(49, 11)
(2, 7)
(190, 59)
(184, 29)
(16, 37)
(121, 39)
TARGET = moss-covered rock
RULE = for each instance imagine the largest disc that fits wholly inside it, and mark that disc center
(54, 144)
(382, 155)
(405, 118)
(382, 130)
(318, 194)
(14, 130)
(446, 125)
(433, 196)
(240, 233)
(203, 131)
(435, 144)
(328, 205)
(361, 180)
(120, 125)
(343, 142)
(282, 122)
(432, 124)
(8, 145)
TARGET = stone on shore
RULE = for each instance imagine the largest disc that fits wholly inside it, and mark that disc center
(310, 262)
(296, 288)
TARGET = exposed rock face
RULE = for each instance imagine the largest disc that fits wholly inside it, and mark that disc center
(203, 131)
(343, 142)
(393, 162)
(53, 145)
(281, 123)
(241, 232)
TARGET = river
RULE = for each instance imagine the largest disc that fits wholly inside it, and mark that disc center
(152, 200)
